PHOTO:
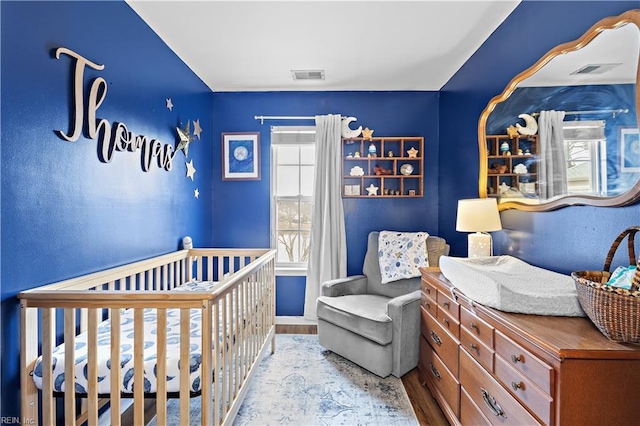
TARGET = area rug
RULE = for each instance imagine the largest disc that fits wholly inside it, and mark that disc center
(305, 384)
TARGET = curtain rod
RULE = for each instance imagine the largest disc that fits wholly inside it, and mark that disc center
(266, 117)
(613, 111)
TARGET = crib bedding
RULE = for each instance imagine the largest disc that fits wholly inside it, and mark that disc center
(127, 345)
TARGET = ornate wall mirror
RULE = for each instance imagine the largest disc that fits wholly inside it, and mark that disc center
(565, 131)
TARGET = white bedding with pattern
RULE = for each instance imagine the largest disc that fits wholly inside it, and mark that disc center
(126, 357)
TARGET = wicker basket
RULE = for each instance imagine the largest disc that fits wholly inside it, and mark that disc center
(615, 311)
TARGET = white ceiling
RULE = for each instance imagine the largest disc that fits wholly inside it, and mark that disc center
(361, 45)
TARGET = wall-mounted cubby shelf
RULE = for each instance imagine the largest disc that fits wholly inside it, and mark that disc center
(505, 154)
(382, 162)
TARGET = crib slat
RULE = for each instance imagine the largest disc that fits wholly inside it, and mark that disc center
(138, 366)
(223, 362)
(210, 268)
(69, 366)
(161, 363)
(115, 378)
(205, 371)
(199, 269)
(185, 325)
(216, 362)
(48, 343)
(92, 366)
(238, 343)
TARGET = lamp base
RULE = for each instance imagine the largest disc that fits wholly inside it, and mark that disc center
(480, 245)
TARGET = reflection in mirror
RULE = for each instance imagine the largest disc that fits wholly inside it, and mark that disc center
(565, 131)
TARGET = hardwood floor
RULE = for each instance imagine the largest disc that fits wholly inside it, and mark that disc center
(427, 410)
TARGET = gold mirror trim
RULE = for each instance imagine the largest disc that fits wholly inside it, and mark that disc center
(629, 197)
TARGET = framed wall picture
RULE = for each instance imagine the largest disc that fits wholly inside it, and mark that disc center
(241, 156)
(630, 149)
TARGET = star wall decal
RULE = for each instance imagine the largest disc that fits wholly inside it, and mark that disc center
(196, 193)
(372, 190)
(367, 133)
(169, 104)
(196, 128)
(185, 138)
(413, 153)
(190, 169)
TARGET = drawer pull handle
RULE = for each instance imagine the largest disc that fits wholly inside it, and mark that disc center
(490, 401)
(445, 304)
(517, 359)
(445, 322)
(475, 327)
(427, 290)
(435, 337)
(427, 305)
(516, 386)
(434, 371)
(475, 347)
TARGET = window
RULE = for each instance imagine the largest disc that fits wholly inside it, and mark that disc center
(292, 166)
(585, 149)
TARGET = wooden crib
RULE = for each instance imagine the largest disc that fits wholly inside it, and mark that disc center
(237, 321)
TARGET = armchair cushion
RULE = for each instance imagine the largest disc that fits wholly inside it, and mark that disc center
(355, 284)
(364, 314)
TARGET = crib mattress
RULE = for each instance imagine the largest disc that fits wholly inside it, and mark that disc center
(126, 357)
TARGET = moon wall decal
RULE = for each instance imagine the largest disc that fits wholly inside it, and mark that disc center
(531, 126)
(347, 132)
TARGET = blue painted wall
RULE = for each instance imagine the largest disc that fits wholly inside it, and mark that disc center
(568, 239)
(65, 213)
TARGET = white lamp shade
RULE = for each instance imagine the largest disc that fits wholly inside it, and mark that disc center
(478, 215)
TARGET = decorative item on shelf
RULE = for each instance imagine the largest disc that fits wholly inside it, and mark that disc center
(406, 169)
(504, 188)
(356, 171)
(412, 192)
(347, 132)
(520, 169)
(531, 126)
(349, 155)
(352, 190)
(512, 131)
(379, 170)
(390, 154)
(357, 154)
(520, 152)
(413, 153)
(367, 134)
(372, 190)
(386, 191)
(372, 150)
(397, 192)
(527, 152)
(498, 168)
(480, 216)
(504, 148)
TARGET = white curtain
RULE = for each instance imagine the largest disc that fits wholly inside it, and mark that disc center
(552, 167)
(328, 244)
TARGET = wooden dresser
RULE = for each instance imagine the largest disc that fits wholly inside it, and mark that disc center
(485, 366)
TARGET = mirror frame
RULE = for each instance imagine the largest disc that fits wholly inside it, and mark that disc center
(629, 197)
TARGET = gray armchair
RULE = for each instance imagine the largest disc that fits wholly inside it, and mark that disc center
(375, 325)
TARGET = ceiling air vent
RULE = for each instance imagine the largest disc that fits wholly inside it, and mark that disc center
(307, 74)
(595, 69)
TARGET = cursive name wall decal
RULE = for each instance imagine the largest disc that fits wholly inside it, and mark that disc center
(111, 138)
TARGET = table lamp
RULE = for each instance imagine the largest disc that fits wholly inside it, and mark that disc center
(480, 216)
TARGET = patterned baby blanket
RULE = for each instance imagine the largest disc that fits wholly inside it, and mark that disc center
(401, 254)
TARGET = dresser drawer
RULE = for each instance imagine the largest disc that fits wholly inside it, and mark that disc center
(447, 321)
(429, 305)
(498, 405)
(441, 341)
(470, 414)
(428, 289)
(440, 376)
(524, 361)
(478, 350)
(477, 327)
(538, 402)
(448, 305)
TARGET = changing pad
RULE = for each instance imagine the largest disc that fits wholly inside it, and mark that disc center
(512, 285)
